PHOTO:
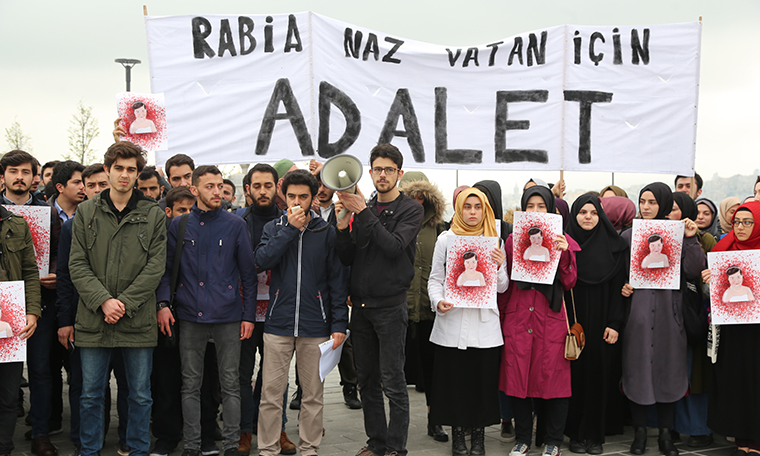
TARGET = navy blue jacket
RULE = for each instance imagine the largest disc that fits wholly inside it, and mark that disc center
(68, 296)
(309, 286)
(216, 253)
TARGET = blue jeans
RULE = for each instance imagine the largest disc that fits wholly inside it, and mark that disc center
(379, 336)
(138, 363)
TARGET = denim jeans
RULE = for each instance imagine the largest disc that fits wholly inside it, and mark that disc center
(251, 398)
(95, 372)
(10, 378)
(38, 350)
(379, 336)
(192, 349)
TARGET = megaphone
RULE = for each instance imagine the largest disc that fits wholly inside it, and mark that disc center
(342, 173)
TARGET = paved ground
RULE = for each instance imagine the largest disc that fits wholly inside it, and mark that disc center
(345, 432)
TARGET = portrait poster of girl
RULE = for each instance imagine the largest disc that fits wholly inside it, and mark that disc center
(12, 321)
(143, 117)
(38, 219)
(734, 286)
(656, 254)
(536, 258)
(470, 273)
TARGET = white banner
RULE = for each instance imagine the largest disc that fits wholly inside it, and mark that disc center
(247, 89)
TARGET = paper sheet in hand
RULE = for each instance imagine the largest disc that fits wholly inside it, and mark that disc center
(329, 358)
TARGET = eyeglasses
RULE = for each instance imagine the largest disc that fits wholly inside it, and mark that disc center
(747, 223)
(389, 171)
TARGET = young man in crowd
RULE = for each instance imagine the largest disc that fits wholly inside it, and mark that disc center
(380, 247)
(46, 173)
(118, 255)
(67, 179)
(179, 201)
(689, 185)
(95, 180)
(149, 182)
(208, 303)
(228, 192)
(19, 168)
(179, 169)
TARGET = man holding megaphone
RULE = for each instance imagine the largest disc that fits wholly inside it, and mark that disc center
(380, 246)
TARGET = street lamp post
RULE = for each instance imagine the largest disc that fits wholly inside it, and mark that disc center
(128, 64)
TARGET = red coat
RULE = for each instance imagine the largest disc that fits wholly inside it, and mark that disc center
(533, 360)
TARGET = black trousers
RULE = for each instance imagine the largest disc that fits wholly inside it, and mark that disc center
(554, 414)
(666, 412)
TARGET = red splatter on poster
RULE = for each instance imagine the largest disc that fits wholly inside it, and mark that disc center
(470, 272)
(38, 219)
(734, 287)
(656, 254)
(143, 117)
(535, 257)
(12, 321)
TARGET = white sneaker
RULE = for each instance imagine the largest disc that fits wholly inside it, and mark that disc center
(520, 449)
(551, 450)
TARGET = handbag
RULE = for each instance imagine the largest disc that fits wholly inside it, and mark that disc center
(173, 340)
(575, 340)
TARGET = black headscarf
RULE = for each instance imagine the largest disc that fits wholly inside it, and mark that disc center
(664, 197)
(553, 292)
(687, 205)
(713, 227)
(603, 251)
(492, 190)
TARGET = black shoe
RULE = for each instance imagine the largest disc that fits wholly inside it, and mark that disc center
(639, 444)
(295, 403)
(55, 428)
(665, 442)
(191, 453)
(675, 436)
(577, 447)
(477, 441)
(458, 446)
(594, 448)
(231, 452)
(436, 432)
(351, 398)
(699, 441)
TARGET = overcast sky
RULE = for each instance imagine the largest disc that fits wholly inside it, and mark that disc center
(57, 53)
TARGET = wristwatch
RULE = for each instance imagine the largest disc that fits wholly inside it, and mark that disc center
(161, 305)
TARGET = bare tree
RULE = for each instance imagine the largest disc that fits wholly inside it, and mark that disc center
(16, 139)
(83, 129)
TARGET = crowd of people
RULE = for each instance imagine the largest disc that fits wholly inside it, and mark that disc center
(168, 284)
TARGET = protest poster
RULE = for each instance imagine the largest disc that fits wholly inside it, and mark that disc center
(12, 321)
(734, 287)
(656, 254)
(470, 272)
(38, 219)
(258, 88)
(143, 117)
(535, 257)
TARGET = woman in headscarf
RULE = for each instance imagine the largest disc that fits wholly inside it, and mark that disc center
(602, 264)
(533, 366)
(691, 410)
(707, 217)
(735, 397)
(560, 205)
(620, 210)
(654, 343)
(613, 190)
(467, 340)
(420, 351)
(727, 208)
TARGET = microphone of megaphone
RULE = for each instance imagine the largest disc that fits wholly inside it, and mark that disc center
(342, 173)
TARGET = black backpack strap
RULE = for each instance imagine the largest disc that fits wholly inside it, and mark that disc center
(178, 256)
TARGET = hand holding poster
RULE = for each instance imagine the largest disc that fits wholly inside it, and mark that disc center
(536, 256)
(143, 117)
(470, 272)
(38, 219)
(12, 321)
(656, 254)
(734, 286)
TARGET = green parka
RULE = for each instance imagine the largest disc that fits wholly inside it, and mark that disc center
(18, 258)
(117, 260)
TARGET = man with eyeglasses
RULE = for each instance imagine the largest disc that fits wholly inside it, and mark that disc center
(380, 245)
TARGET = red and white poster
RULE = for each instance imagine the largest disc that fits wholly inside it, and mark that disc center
(38, 219)
(143, 117)
(12, 321)
(535, 256)
(656, 254)
(734, 287)
(470, 272)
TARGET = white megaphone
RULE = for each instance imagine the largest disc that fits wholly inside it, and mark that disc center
(342, 173)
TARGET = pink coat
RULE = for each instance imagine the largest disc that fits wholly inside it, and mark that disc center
(533, 360)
